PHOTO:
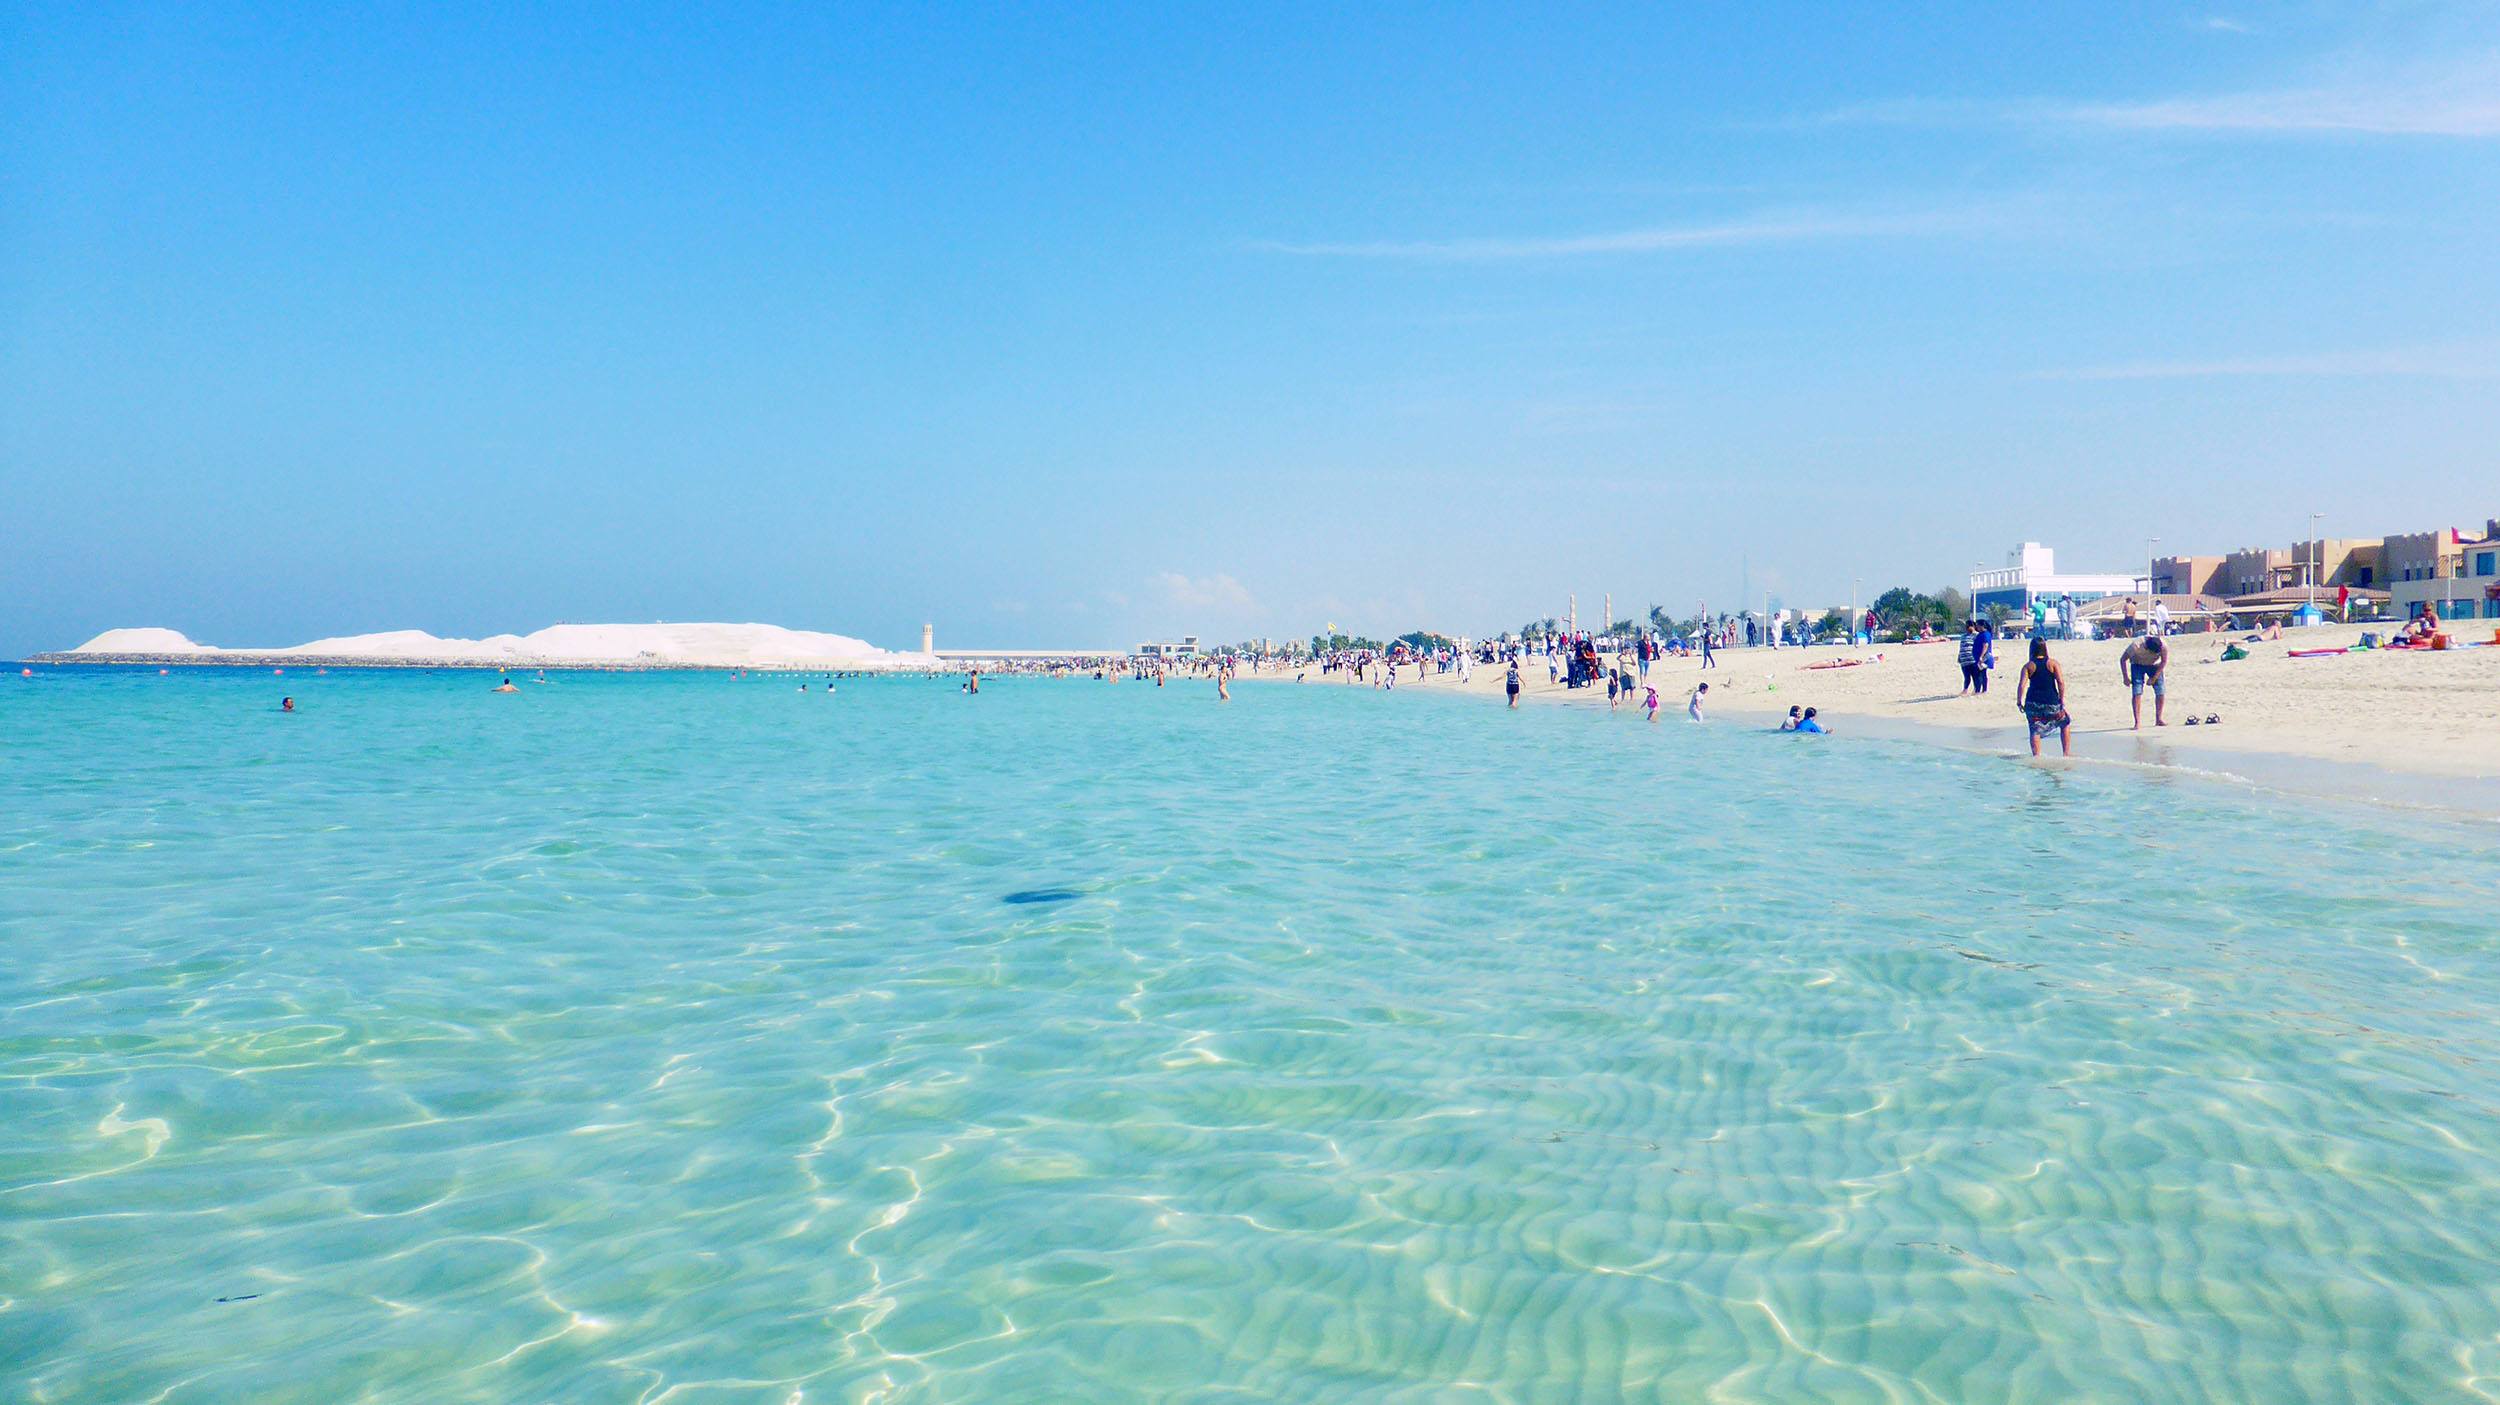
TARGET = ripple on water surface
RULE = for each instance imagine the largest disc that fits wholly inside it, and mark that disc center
(684, 1037)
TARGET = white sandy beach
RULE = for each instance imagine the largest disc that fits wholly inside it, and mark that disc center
(2416, 712)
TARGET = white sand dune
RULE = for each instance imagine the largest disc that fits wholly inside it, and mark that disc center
(700, 645)
(140, 641)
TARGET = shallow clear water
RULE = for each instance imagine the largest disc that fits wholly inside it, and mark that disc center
(648, 1037)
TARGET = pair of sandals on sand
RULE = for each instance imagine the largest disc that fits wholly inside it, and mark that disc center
(2212, 719)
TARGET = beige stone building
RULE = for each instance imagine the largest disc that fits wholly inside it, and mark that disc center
(2449, 568)
(2188, 575)
(2256, 569)
(2334, 561)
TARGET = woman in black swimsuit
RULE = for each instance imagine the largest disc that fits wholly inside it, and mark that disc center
(2041, 692)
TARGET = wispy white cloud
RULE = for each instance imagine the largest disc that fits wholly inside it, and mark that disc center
(1216, 592)
(2477, 361)
(1658, 239)
(2224, 24)
(2460, 100)
(2390, 112)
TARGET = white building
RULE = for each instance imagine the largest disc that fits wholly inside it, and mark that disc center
(2030, 573)
(1187, 647)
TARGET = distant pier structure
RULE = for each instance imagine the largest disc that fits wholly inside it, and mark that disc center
(928, 638)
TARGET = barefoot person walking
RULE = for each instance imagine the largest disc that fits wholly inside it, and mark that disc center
(2041, 693)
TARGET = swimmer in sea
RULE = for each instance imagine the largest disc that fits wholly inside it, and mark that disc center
(286, 704)
(1650, 704)
(1692, 706)
(1223, 689)
(505, 687)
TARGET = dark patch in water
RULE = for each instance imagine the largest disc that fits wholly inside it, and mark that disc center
(1041, 895)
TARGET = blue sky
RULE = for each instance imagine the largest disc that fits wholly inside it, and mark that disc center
(1076, 328)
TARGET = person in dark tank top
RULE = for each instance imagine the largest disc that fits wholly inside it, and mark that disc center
(2041, 693)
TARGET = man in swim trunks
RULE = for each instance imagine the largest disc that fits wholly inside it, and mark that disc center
(1512, 682)
(2144, 661)
(505, 687)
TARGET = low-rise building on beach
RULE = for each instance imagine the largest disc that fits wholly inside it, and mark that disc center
(2188, 575)
(2031, 573)
(2447, 569)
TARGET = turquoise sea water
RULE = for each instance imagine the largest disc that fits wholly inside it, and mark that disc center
(674, 1037)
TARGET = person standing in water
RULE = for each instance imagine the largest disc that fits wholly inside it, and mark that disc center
(2041, 694)
(1649, 704)
(1692, 705)
(1511, 683)
(1223, 689)
(505, 687)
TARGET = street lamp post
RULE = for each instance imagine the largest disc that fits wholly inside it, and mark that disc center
(2152, 585)
(2316, 558)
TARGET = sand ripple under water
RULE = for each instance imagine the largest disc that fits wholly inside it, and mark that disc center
(681, 1038)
